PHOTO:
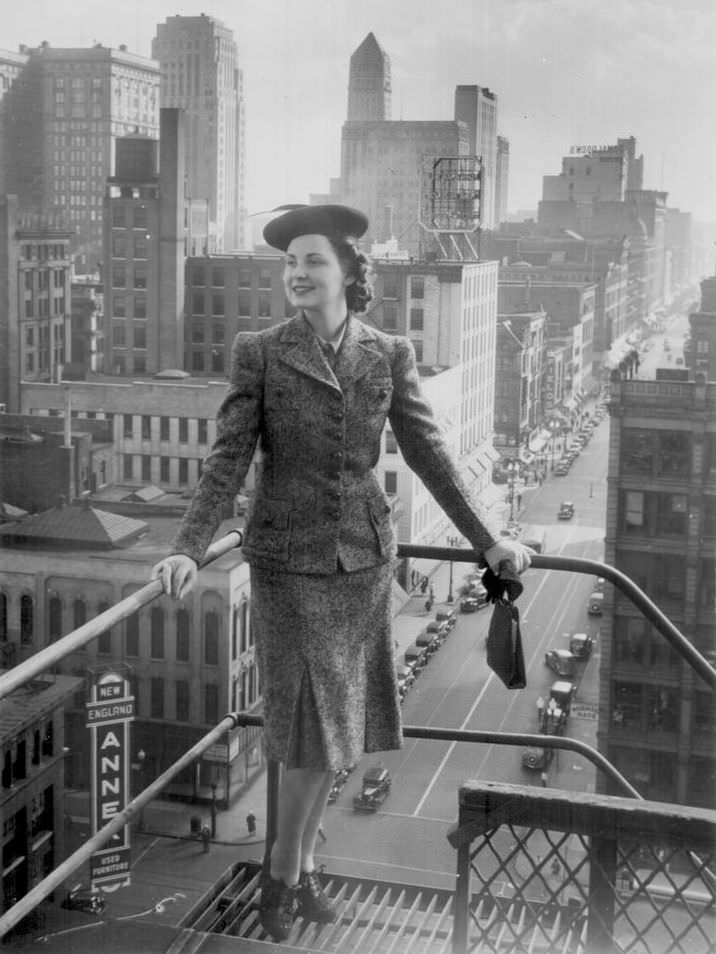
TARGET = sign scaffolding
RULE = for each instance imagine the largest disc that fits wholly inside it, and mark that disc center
(450, 197)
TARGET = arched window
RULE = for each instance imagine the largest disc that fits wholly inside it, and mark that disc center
(156, 618)
(104, 640)
(3, 617)
(27, 618)
(182, 622)
(79, 608)
(55, 618)
(211, 638)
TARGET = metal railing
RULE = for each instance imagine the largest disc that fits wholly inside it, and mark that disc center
(80, 637)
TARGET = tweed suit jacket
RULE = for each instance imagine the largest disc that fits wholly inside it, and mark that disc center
(318, 505)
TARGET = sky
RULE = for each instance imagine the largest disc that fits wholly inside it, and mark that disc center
(565, 72)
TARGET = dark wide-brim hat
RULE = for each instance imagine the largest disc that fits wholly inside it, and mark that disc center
(339, 221)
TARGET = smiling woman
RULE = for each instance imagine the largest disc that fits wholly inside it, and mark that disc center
(317, 391)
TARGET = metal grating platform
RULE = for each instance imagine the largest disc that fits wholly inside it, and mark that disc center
(374, 917)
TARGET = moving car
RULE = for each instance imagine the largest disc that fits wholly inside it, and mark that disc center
(581, 645)
(537, 758)
(85, 899)
(560, 661)
(474, 601)
(566, 510)
(376, 785)
(595, 605)
(563, 692)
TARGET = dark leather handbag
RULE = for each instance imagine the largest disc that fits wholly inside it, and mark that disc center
(504, 640)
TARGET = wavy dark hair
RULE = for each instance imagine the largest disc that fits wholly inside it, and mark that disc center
(358, 267)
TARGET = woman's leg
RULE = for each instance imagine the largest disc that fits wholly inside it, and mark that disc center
(302, 790)
(313, 823)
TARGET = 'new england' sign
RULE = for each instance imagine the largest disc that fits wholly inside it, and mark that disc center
(109, 713)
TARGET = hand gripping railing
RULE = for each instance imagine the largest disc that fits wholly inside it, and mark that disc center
(84, 634)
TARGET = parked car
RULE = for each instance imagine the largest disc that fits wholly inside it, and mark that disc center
(595, 605)
(561, 469)
(430, 642)
(81, 898)
(449, 617)
(376, 786)
(416, 657)
(438, 628)
(560, 661)
(406, 678)
(580, 644)
(566, 510)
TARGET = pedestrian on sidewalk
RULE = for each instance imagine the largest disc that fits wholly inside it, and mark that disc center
(316, 391)
(251, 823)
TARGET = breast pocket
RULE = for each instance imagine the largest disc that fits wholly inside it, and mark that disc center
(377, 396)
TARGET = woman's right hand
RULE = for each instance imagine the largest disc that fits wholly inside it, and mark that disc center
(177, 573)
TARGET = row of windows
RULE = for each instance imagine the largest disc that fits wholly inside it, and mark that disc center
(145, 428)
(655, 453)
(165, 468)
(14, 763)
(135, 277)
(125, 216)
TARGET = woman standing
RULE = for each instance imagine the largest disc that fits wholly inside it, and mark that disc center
(314, 393)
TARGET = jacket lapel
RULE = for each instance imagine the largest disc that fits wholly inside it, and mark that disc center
(358, 352)
(302, 351)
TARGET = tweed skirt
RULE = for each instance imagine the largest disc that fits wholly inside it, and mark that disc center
(326, 664)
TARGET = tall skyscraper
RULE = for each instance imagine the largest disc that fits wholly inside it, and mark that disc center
(502, 180)
(369, 89)
(62, 114)
(198, 59)
(476, 106)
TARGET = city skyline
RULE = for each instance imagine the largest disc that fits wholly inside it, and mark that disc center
(576, 74)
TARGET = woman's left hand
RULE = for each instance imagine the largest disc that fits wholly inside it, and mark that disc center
(508, 550)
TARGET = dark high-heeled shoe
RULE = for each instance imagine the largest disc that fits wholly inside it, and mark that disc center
(313, 902)
(277, 908)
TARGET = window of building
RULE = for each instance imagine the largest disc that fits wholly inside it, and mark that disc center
(264, 305)
(140, 275)
(244, 277)
(140, 309)
(211, 704)
(164, 470)
(140, 216)
(391, 482)
(217, 304)
(146, 427)
(211, 639)
(417, 286)
(156, 697)
(634, 510)
(418, 346)
(141, 247)
(390, 316)
(673, 453)
(217, 277)
(672, 516)
(54, 618)
(131, 635)
(119, 275)
(119, 306)
(127, 467)
(79, 613)
(391, 286)
(197, 361)
(182, 700)
(140, 338)
(182, 635)
(163, 428)
(119, 245)
(217, 361)
(183, 430)
(202, 427)
(244, 303)
(119, 215)
(416, 319)
(146, 468)
(197, 303)
(391, 445)
(183, 471)
(197, 277)
(264, 278)
(156, 627)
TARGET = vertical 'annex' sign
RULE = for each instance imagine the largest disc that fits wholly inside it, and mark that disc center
(108, 716)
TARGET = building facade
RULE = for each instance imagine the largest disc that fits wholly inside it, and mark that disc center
(502, 180)
(657, 720)
(476, 107)
(62, 115)
(145, 241)
(200, 74)
(369, 85)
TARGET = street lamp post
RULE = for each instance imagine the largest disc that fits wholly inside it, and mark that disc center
(141, 756)
(213, 809)
(452, 542)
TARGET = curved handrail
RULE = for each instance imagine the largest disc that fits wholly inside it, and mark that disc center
(543, 561)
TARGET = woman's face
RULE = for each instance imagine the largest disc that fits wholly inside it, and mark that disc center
(313, 276)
